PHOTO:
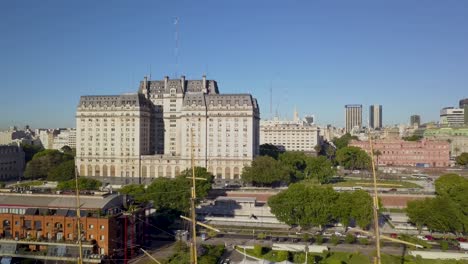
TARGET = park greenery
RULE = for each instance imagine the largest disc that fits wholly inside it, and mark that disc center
(308, 206)
(83, 184)
(209, 254)
(448, 211)
(412, 138)
(343, 141)
(50, 164)
(172, 194)
(462, 159)
(328, 257)
(289, 167)
(353, 158)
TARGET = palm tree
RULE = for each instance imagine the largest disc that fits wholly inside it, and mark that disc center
(377, 153)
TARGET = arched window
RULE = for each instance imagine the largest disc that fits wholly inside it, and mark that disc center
(112, 170)
(90, 170)
(236, 173)
(219, 173)
(82, 170)
(97, 171)
(143, 171)
(176, 171)
(227, 173)
(168, 171)
(104, 171)
(160, 171)
(152, 172)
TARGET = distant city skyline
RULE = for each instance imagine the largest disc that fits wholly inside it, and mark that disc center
(409, 57)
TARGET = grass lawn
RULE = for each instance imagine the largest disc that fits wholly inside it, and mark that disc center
(380, 183)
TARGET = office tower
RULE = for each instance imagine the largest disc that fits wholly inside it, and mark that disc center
(353, 114)
(415, 120)
(464, 105)
(133, 138)
(450, 116)
(375, 116)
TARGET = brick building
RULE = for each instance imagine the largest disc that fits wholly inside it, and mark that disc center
(44, 226)
(429, 153)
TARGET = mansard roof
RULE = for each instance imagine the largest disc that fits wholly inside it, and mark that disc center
(132, 99)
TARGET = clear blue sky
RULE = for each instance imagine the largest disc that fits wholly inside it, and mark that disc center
(409, 56)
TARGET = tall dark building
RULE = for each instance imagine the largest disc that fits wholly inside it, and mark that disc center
(464, 105)
(415, 120)
(375, 116)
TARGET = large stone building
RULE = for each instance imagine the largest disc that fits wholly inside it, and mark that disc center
(415, 120)
(11, 163)
(428, 153)
(134, 138)
(353, 117)
(295, 135)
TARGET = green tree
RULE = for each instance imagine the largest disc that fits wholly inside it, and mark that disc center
(334, 240)
(330, 151)
(295, 161)
(350, 239)
(265, 171)
(412, 138)
(343, 207)
(353, 158)
(282, 255)
(63, 172)
(304, 205)
(320, 169)
(30, 151)
(343, 141)
(269, 150)
(137, 191)
(462, 159)
(418, 212)
(202, 186)
(43, 162)
(455, 188)
(362, 210)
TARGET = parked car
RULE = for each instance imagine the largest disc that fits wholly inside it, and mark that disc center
(422, 238)
(394, 235)
(338, 234)
(359, 235)
(430, 238)
(461, 239)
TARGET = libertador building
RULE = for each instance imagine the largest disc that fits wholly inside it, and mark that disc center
(135, 138)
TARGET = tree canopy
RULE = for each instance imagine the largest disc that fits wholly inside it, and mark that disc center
(269, 150)
(462, 159)
(62, 172)
(343, 141)
(319, 169)
(448, 211)
(266, 171)
(172, 194)
(46, 162)
(309, 206)
(30, 151)
(353, 158)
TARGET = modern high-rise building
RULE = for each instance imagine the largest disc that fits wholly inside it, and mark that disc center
(375, 116)
(353, 116)
(464, 105)
(138, 137)
(415, 120)
(450, 116)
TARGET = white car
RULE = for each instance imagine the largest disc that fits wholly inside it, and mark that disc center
(338, 234)
(422, 238)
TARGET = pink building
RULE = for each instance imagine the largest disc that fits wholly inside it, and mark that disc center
(409, 153)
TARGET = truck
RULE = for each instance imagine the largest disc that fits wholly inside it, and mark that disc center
(464, 245)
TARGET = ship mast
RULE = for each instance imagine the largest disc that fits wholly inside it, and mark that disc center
(193, 248)
(78, 216)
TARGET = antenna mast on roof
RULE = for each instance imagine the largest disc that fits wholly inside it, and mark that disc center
(176, 49)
